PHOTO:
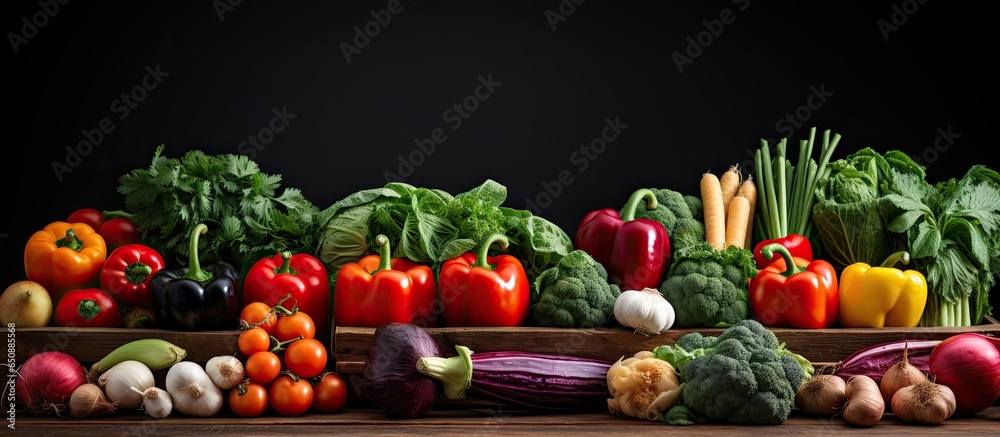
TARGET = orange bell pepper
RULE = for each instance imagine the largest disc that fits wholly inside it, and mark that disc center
(65, 256)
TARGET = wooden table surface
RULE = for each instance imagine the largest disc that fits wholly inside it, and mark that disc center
(479, 422)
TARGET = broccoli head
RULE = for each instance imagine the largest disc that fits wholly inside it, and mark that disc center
(708, 287)
(743, 376)
(680, 215)
(574, 293)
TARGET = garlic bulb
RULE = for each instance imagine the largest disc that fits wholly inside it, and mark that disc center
(156, 402)
(119, 379)
(192, 390)
(644, 310)
(226, 371)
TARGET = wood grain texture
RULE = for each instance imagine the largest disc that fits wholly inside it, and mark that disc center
(89, 345)
(482, 422)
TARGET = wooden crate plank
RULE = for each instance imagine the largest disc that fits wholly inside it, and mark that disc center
(350, 344)
(89, 345)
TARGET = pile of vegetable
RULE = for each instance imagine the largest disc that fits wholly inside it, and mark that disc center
(918, 381)
(430, 226)
(872, 205)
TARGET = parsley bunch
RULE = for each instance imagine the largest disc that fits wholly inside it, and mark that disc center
(246, 218)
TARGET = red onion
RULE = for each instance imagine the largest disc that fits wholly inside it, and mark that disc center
(969, 364)
(46, 381)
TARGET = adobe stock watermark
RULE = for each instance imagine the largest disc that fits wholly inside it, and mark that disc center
(563, 10)
(11, 387)
(31, 26)
(580, 159)
(791, 122)
(942, 143)
(257, 142)
(363, 34)
(455, 116)
(900, 14)
(223, 7)
(123, 107)
(697, 44)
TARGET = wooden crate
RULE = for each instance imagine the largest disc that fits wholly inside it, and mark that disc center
(349, 345)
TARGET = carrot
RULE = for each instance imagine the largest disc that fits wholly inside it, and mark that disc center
(736, 221)
(749, 190)
(729, 183)
(714, 211)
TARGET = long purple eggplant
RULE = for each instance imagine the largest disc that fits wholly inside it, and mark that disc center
(531, 380)
(873, 361)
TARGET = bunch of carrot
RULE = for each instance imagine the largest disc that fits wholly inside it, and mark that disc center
(729, 203)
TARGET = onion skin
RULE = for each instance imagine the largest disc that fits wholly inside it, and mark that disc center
(47, 380)
(969, 364)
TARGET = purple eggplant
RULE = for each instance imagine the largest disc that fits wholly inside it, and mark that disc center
(405, 373)
(390, 372)
(530, 380)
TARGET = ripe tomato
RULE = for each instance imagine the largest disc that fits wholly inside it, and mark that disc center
(305, 358)
(118, 232)
(251, 403)
(329, 393)
(253, 340)
(90, 216)
(263, 366)
(289, 397)
(259, 313)
(289, 327)
(88, 307)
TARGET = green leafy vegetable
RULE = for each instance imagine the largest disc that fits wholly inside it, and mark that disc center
(852, 213)
(431, 226)
(952, 230)
(247, 219)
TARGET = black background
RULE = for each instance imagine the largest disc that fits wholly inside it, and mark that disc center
(352, 120)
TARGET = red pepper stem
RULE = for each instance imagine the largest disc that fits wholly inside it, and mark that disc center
(286, 264)
(194, 266)
(902, 257)
(384, 253)
(483, 254)
(108, 215)
(70, 240)
(137, 272)
(628, 214)
(88, 309)
(790, 267)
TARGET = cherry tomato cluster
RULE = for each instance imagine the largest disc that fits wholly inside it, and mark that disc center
(285, 365)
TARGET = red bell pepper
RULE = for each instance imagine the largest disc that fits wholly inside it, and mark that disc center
(301, 275)
(636, 252)
(379, 289)
(803, 295)
(481, 290)
(126, 273)
(797, 245)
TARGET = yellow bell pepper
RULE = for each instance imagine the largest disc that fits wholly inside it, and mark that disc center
(876, 297)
